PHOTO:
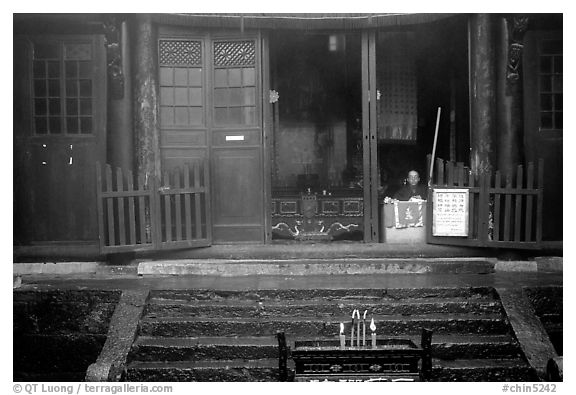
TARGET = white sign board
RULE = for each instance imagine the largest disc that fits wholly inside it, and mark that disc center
(450, 212)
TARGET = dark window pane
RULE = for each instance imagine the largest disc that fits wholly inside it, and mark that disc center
(558, 120)
(85, 107)
(195, 96)
(220, 78)
(196, 116)
(46, 51)
(166, 115)
(72, 107)
(180, 77)
(54, 106)
(40, 88)
(195, 77)
(86, 125)
(545, 83)
(557, 86)
(166, 76)
(236, 96)
(40, 107)
(558, 102)
(55, 125)
(235, 77)
(235, 115)
(167, 96)
(53, 69)
(546, 120)
(71, 88)
(221, 97)
(249, 96)
(552, 46)
(248, 79)
(85, 70)
(86, 88)
(181, 96)
(546, 102)
(71, 69)
(545, 64)
(181, 115)
(41, 125)
(221, 116)
(558, 66)
(249, 116)
(72, 125)
(39, 69)
(54, 88)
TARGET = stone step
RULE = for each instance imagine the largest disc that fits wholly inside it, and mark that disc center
(319, 307)
(207, 370)
(482, 370)
(359, 294)
(215, 348)
(311, 327)
(267, 370)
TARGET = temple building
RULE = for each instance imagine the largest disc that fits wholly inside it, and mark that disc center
(141, 132)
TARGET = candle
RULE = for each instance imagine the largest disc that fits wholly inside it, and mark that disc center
(373, 329)
(352, 331)
(358, 332)
(342, 337)
(364, 329)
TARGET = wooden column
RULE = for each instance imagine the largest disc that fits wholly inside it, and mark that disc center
(482, 93)
(121, 141)
(509, 91)
(146, 122)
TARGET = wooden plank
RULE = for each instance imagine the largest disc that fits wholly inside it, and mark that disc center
(120, 200)
(460, 174)
(472, 215)
(207, 200)
(187, 204)
(177, 199)
(529, 198)
(197, 201)
(142, 212)
(450, 173)
(131, 211)
(100, 206)
(518, 201)
(497, 199)
(167, 210)
(110, 208)
(507, 208)
(539, 206)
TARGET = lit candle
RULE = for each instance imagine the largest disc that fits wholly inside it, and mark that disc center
(373, 329)
(364, 329)
(342, 337)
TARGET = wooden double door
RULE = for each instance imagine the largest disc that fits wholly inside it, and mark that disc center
(211, 110)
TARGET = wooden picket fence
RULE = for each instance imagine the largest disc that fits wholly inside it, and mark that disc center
(146, 214)
(505, 211)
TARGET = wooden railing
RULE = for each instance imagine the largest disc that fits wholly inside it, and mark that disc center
(143, 214)
(504, 210)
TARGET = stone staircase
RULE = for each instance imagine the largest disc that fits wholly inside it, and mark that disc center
(212, 335)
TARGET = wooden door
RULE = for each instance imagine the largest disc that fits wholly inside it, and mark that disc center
(210, 109)
(59, 134)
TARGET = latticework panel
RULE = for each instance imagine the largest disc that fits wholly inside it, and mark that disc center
(234, 53)
(180, 53)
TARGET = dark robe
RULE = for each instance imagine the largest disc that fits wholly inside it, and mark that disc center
(408, 191)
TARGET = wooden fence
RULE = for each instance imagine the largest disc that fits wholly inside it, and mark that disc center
(144, 214)
(504, 210)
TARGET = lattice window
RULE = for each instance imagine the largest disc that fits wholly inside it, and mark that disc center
(234, 53)
(181, 83)
(235, 83)
(180, 53)
(63, 89)
(550, 84)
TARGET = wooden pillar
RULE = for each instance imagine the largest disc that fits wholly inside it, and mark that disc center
(509, 91)
(482, 93)
(146, 122)
(120, 143)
